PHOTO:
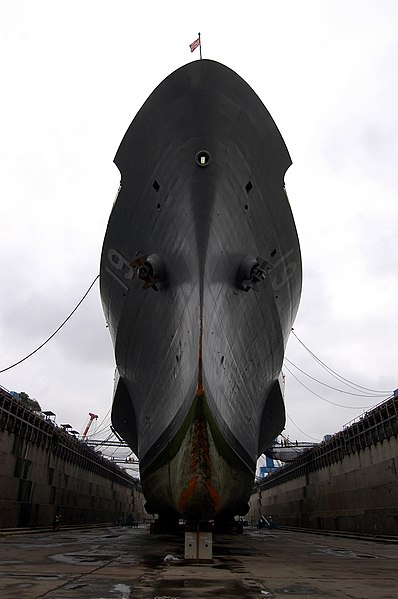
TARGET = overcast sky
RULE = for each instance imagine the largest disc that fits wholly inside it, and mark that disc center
(75, 73)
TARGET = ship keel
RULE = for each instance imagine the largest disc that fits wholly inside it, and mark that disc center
(197, 477)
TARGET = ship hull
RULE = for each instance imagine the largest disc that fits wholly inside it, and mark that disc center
(198, 476)
(199, 341)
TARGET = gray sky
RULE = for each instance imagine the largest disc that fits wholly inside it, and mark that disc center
(74, 75)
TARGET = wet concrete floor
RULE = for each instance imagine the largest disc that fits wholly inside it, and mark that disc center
(127, 563)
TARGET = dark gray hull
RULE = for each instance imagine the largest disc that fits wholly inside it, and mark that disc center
(199, 350)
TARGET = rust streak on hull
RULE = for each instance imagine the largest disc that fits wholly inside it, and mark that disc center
(199, 490)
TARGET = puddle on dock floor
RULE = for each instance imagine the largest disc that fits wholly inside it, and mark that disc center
(184, 589)
(345, 553)
(299, 590)
(129, 564)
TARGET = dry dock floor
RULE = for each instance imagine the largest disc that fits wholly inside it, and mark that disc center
(127, 563)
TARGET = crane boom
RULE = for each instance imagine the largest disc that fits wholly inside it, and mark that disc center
(91, 418)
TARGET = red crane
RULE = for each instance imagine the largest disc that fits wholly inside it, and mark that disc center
(91, 418)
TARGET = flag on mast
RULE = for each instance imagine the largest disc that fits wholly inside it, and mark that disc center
(195, 44)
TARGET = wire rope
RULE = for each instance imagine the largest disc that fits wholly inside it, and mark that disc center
(55, 332)
(335, 374)
(324, 399)
(298, 428)
(330, 386)
(103, 428)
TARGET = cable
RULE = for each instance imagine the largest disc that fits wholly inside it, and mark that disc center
(103, 420)
(104, 441)
(113, 452)
(328, 400)
(298, 428)
(101, 428)
(330, 386)
(335, 374)
(55, 332)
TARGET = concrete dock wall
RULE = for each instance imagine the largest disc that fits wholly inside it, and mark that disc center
(44, 471)
(347, 484)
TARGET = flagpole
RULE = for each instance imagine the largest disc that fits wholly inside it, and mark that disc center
(200, 47)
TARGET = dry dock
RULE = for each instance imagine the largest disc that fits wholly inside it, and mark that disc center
(126, 563)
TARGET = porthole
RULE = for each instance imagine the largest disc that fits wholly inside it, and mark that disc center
(203, 158)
